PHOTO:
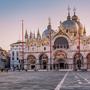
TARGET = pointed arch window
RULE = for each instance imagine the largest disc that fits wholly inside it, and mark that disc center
(61, 42)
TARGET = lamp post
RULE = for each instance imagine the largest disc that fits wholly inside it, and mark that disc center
(79, 55)
(49, 27)
(22, 61)
(50, 52)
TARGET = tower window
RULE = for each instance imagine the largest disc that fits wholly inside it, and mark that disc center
(67, 31)
(74, 34)
(13, 53)
(17, 54)
(33, 48)
(44, 48)
(17, 58)
(12, 58)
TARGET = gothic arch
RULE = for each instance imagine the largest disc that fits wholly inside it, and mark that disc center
(64, 36)
(60, 59)
(31, 59)
(43, 61)
(61, 42)
(78, 60)
(88, 60)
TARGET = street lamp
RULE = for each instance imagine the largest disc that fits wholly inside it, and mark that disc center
(49, 27)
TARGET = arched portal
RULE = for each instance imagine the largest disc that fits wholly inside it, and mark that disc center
(61, 42)
(78, 61)
(43, 61)
(88, 60)
(31, 59)
(60, 60)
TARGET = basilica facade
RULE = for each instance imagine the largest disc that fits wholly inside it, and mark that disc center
(68, 47)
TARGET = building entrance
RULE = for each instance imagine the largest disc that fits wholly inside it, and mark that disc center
(43, 61)
(78, 61)
(61, 63)
(31, 62)
(60, 60)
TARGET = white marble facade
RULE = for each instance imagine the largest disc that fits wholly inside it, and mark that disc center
(63, 44)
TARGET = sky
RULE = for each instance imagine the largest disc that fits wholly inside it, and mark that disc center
(35, 14)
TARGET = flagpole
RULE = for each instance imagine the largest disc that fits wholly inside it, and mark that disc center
(22, 44)
(50, 52)
(79, 47)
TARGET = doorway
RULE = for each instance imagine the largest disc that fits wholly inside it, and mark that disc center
(32, 67)
(78, 61)
(61, 65)
(43, 61)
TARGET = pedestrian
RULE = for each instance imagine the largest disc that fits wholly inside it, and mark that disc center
(25, 67)
(79, 64)
(13, 68)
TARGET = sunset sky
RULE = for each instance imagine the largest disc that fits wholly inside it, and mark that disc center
(35, 14)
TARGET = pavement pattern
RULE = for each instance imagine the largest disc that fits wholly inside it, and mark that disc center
(76, 81)
(30, 80)
(45, 80)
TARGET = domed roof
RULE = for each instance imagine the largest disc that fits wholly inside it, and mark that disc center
(74, 17)
(70, 25)
(80, 25)
(47, 32)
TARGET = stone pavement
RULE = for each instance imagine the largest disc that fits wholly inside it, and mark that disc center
(76, 81)
(30, 80)
(44, 80)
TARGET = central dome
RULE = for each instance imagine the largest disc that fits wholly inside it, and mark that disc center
(70, 25)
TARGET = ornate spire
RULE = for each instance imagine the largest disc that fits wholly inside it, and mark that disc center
(75, 17)
(30, 35)
(74, 10)
(68, 17)
(49, 23)
(38, 34)
(69, 10)
(34, 35)
(84, 31)
(26, 35)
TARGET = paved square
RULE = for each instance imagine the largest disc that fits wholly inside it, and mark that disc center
(76, 81)
(53, 80)
(30, 80)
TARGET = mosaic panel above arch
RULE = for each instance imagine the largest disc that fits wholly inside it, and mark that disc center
(31, 59)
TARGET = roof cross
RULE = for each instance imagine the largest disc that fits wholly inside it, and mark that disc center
(69, 9)
(74, 10)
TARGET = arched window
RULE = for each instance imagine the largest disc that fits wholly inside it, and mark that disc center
(67, 31)
(61, 42)
(78, 61)
(13, 53)
(43, 61)
(31, 59)
(44, 48)
(17, 54)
